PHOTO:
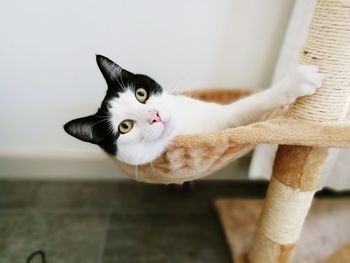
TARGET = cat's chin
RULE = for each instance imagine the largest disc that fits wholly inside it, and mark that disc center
(143, 152)
(168, 131)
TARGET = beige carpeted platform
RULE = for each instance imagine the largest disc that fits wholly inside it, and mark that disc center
(325, 237)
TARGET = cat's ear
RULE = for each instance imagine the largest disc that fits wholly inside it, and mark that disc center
(83, 129)
(112, 72)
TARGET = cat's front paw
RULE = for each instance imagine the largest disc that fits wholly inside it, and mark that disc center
(304, 80)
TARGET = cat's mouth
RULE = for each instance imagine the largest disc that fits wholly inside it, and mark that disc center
(167, 130)
(160, 131)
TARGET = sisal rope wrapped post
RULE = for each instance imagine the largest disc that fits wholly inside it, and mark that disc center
(297, 169)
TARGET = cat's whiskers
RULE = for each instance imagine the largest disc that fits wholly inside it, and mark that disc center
(174, 86)
(111, 128)
(101, 116)
(107, 114)
(121, 78)
(151, 134)
(99, 122)
(190, 80)
(178, 86)
(121, 74)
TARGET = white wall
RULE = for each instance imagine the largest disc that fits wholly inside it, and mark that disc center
(47, 59)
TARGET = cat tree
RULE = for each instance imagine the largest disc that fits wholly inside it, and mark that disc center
(298, 169)
(305, 132)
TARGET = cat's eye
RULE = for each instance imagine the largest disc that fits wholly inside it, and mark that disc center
(125, 126)
(141, 95)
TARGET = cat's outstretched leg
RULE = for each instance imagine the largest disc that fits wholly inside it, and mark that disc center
(302, 81)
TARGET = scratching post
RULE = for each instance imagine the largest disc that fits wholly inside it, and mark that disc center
(298, 169)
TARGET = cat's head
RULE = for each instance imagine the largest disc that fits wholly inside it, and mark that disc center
(134, 122)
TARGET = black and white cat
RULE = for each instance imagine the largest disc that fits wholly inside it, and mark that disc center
(138, 119)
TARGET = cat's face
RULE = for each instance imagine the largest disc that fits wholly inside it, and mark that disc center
(134, 122)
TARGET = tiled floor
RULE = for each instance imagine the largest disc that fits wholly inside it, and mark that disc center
(107, 222)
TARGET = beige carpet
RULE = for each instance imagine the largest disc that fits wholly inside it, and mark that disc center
(325, 237)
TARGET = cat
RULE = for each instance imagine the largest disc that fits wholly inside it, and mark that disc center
(138, 119)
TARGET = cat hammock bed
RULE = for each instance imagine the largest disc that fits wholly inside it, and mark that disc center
(304, 133)
(190, 157)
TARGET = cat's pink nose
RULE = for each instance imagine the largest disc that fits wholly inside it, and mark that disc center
(153, 117)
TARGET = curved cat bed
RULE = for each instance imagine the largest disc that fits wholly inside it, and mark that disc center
(193, 156)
